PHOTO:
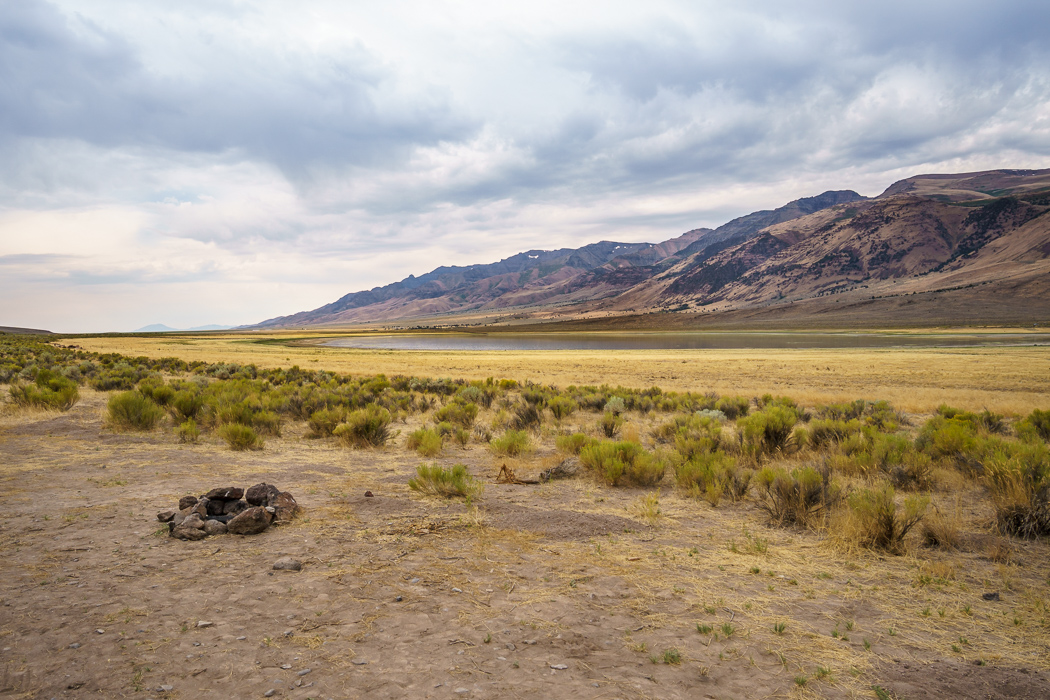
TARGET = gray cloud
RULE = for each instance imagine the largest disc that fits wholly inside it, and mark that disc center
(65, 77)
(348, 144)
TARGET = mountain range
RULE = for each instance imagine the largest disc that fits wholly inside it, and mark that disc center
(942, 248)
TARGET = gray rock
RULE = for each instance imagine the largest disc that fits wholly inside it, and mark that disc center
(286, 666)
(565, 470)
(559, 667)
(360, 662)
(234, 507)
(166, 516)
(305, 671)
(269, 693)
(259, 495)
(187, 502)
(188, 533)
(204, 623)
(214, 527)
(201, 508)
(287, 564)
(193, 520)
(216, 507)
(225, 493)
(250, 522)
(74, 645)
(285, 505)
(165, 688)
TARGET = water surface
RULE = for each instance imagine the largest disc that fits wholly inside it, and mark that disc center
(697, 340)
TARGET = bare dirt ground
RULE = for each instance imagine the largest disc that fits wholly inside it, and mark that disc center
(561, 590)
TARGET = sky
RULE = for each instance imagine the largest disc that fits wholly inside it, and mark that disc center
(225, 162)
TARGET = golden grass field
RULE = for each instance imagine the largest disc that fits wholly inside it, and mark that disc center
(1012, 380)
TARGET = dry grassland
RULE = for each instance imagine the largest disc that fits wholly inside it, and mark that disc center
(569, 589)
(1012, 380)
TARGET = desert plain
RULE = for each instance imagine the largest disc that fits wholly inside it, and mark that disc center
(569, 588)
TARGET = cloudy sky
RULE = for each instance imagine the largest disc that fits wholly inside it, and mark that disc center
(218, 161)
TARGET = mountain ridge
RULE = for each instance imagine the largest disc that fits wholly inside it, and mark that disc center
(925, 232)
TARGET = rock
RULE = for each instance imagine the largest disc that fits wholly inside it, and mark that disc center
(305, 671)
(100, 631)
(204, 623)
(566, 469)
(360, 662)
(287, 564)
(166, 516)
(259, 495)
(559, 667)
(201, 508)
(226, 493)
(181, 515)
(991, 596)
(286, 666)
(250, 522)
(286, 506)
(216, 507)
(269, 693)
(214, 527)
(193, 520)
(165, 688)
(234, 507)
(368, 494)
(187, 502)
(74, 645)
(188, 533)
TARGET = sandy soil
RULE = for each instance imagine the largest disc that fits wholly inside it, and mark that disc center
(561, 590)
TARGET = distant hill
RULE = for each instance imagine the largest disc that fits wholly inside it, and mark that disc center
(15, 330)
(985, 233)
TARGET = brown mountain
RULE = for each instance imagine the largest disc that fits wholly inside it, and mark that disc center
(972, 247)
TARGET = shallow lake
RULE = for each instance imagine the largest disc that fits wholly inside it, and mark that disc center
(700, 340)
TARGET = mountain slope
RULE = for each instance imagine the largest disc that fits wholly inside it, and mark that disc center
(555, 278)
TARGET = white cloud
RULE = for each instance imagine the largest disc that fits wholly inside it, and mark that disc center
(266, 157)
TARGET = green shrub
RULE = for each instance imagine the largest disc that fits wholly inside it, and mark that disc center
(367, 427)
(1035, 426)
(615, 405)
(874, 521)
(842, 412)
(267, 423)
(130, 410)
(616, 462)
(526, 416)
(323, 421)
(49, 390)
(186, 405)
(439, 481)
(610, 424)
(240, 437)
(1019, 484)
(561, 407)
(461, 413)
(733, 406)
(712, 475)
(572, 444)
(823, 433)
(804, 496)
(425, 441)
(512, 443)
(188, 431)
(768, 430)
(947, 438)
